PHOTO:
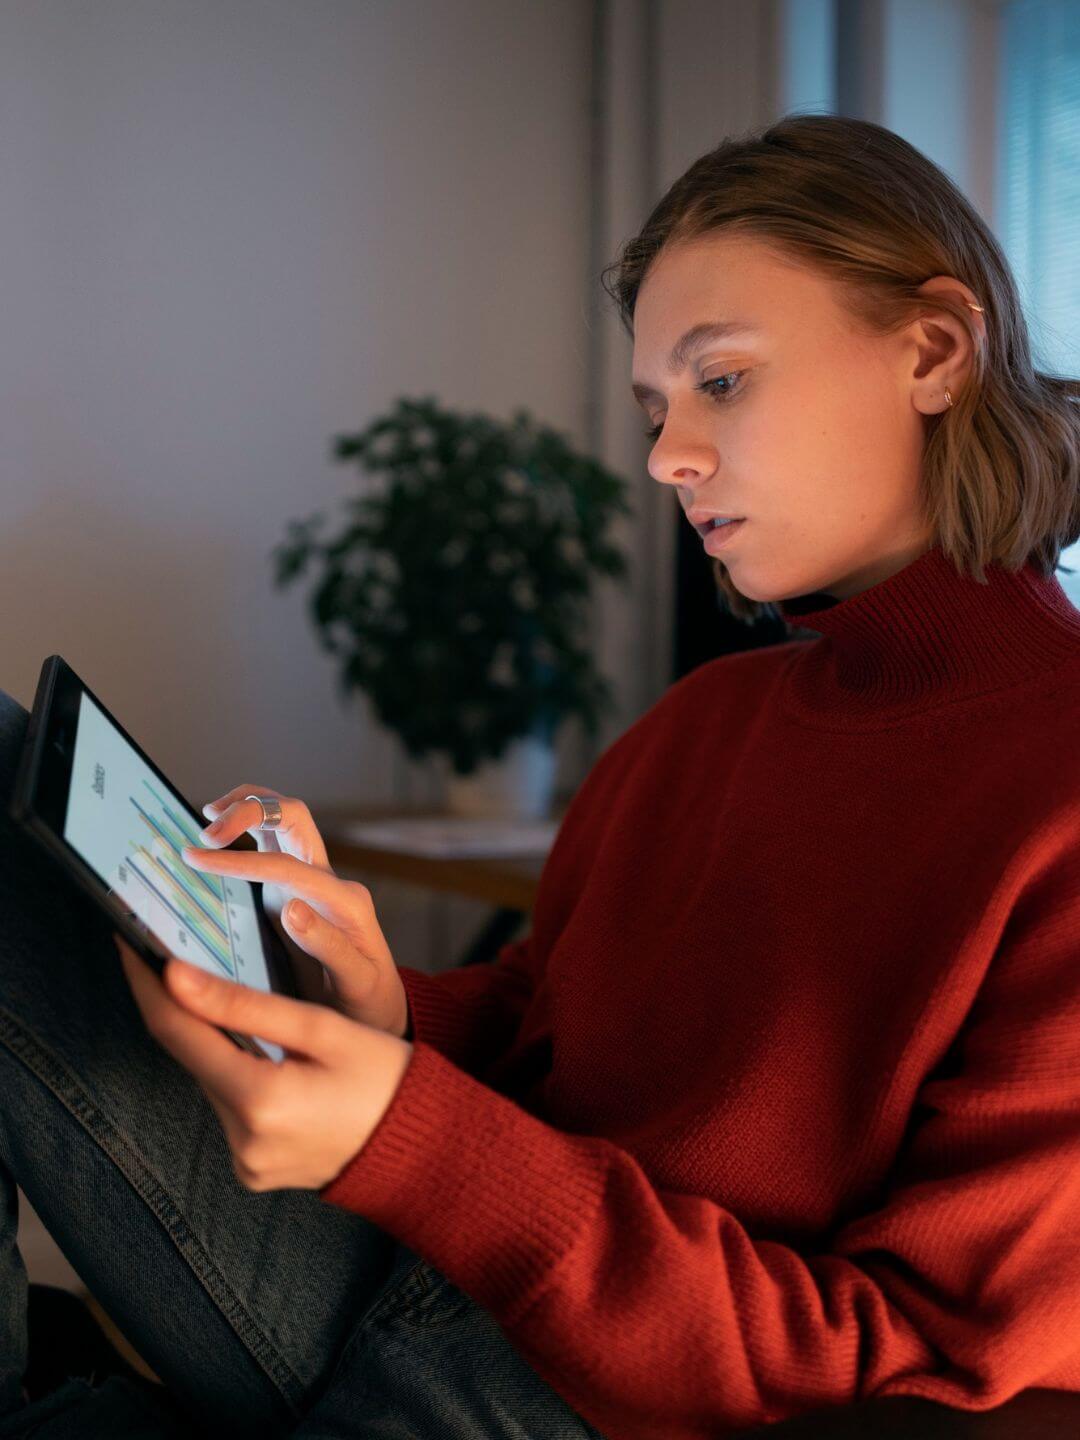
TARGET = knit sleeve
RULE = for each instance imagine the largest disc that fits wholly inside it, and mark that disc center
(471, 1014)
(658, 1316)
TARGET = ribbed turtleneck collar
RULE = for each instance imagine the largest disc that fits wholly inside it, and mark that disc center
(927, 636)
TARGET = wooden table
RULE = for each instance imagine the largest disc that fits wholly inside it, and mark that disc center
(508, 884)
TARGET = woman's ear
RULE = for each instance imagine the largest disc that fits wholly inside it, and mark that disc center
(944, 348)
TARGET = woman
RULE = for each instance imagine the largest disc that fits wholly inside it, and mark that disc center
(777, 1106)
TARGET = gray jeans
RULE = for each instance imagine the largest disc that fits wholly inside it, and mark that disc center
(267, 1314)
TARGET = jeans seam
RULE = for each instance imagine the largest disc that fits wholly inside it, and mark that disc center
(435, 1305)
(402, 1294)
(65, 1087)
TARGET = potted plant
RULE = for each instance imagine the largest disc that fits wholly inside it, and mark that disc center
(453, 594)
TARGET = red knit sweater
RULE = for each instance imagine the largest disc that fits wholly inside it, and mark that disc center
(778, 1104)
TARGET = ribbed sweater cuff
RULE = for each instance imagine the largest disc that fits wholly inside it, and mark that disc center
(484, 1191)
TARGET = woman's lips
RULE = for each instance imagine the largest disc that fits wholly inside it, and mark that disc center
(720, 535)
(706, 527)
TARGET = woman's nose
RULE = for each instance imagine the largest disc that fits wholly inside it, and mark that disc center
(675, 460)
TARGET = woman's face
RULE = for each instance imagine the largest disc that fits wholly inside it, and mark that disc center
(810, 430)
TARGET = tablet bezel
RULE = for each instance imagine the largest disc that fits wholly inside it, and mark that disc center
(39, 804)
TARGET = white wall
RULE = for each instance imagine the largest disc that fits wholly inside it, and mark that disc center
(940, 87)
(229, 231)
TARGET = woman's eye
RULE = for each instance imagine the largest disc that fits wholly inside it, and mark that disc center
(706, 387)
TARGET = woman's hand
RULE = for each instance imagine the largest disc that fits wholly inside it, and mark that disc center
(342, 932)
(293, 1124)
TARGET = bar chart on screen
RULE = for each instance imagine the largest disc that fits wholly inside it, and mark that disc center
(194, 909)
(131, 828)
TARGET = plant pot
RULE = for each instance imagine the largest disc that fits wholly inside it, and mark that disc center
(517, 786)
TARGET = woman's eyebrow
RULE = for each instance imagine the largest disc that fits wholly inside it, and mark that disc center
(698, 335)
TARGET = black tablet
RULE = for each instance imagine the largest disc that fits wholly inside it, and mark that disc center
(101, 807)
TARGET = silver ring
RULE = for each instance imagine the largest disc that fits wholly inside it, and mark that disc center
(271, 811)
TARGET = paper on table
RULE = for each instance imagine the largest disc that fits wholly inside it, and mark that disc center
(454, 837)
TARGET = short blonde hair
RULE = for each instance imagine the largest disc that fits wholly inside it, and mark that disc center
(861, 206)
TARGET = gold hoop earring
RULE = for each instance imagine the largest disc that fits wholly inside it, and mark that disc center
(948, 397)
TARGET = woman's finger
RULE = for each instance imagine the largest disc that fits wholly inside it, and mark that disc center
(296, 835)
(264, 839)
(272, 867)
(344, 903)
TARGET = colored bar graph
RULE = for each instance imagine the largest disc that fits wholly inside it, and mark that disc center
(196, 901)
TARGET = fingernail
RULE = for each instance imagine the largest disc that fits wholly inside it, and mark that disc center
(299, 915)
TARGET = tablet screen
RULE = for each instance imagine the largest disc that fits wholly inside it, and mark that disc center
(129, 827)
